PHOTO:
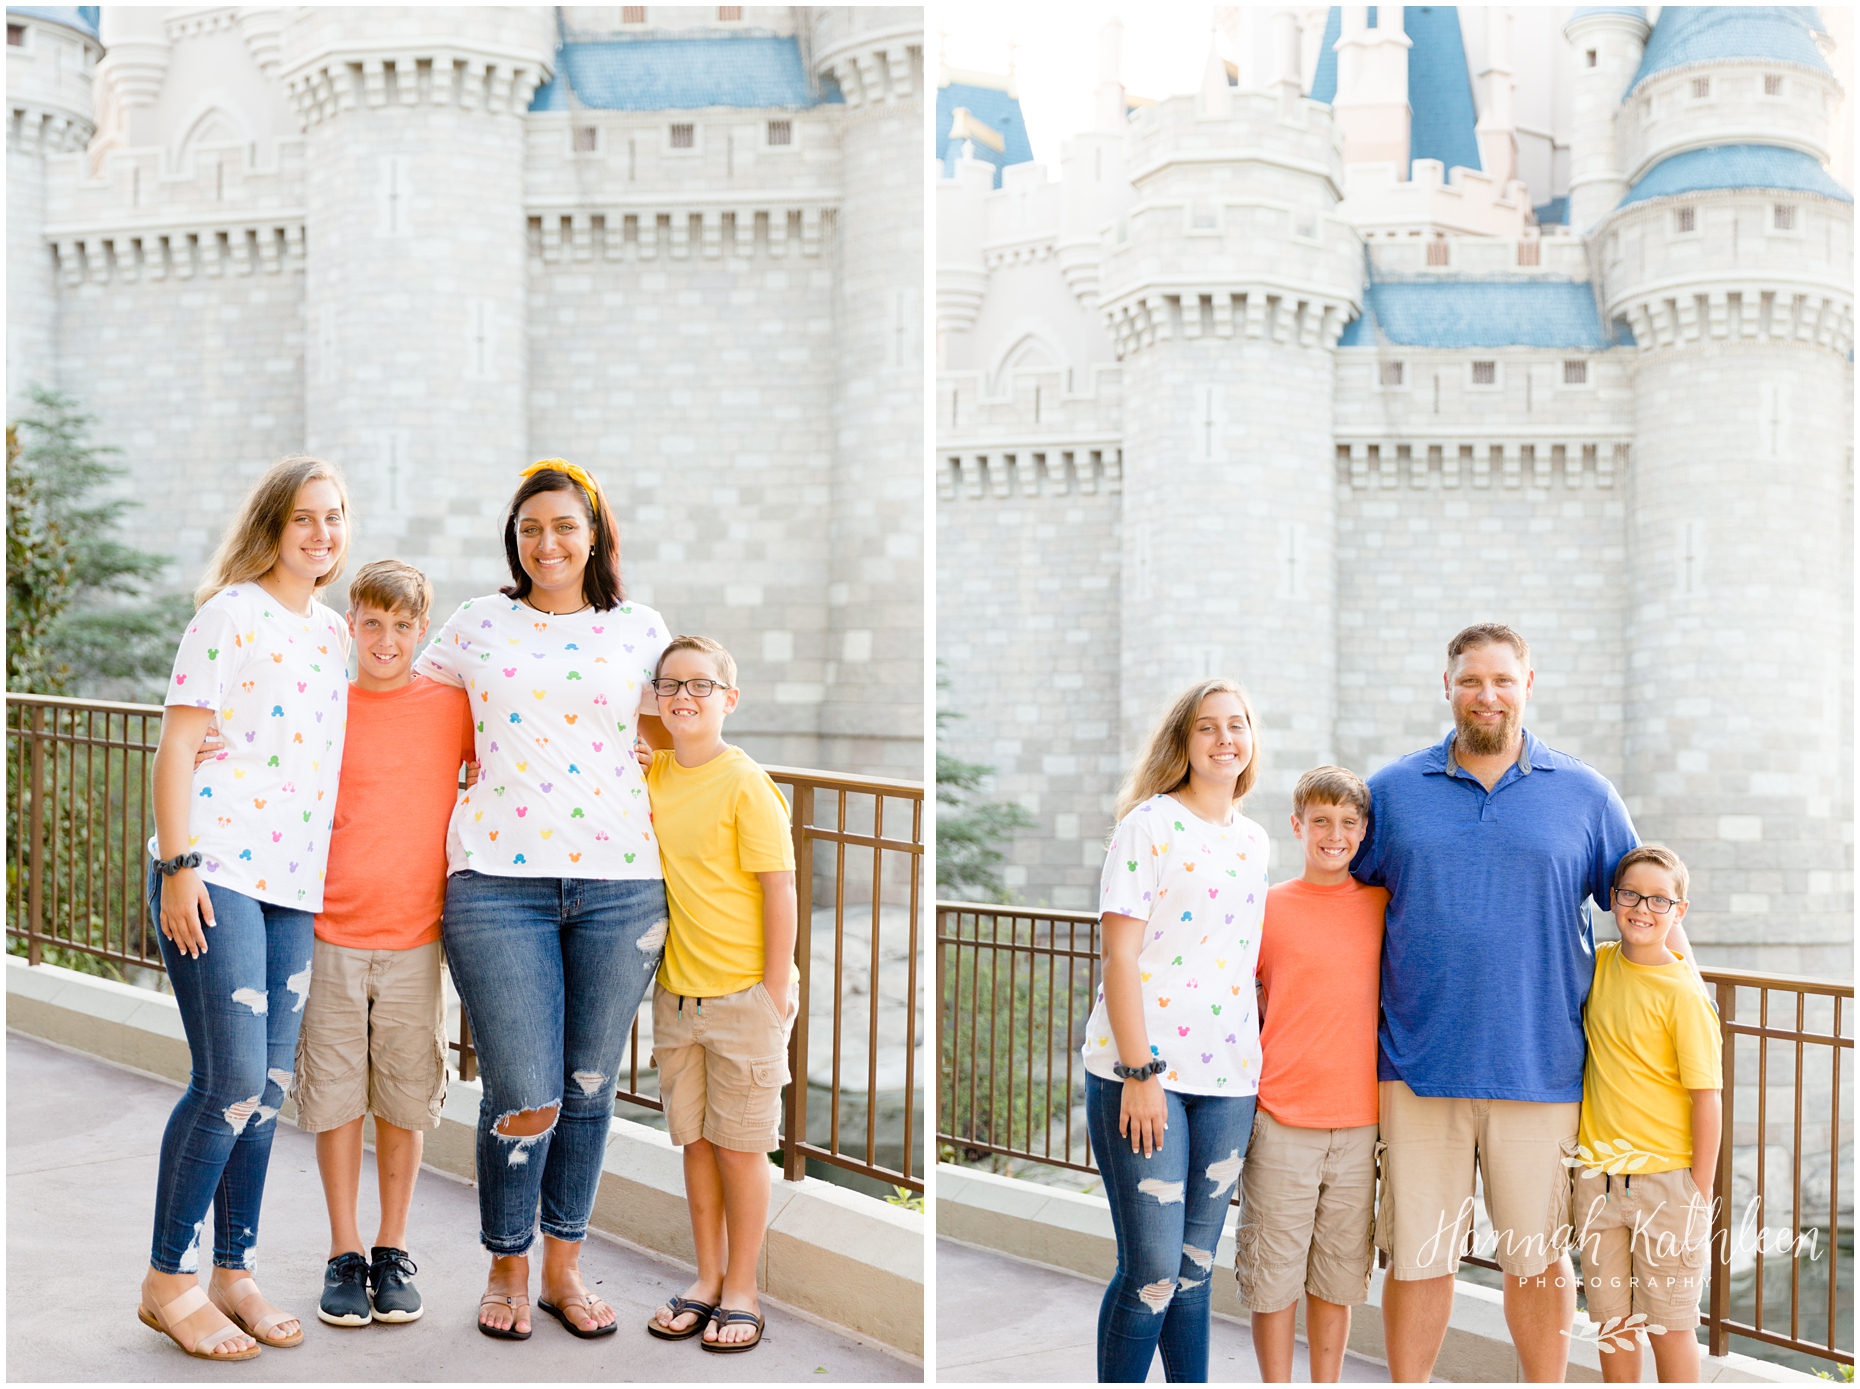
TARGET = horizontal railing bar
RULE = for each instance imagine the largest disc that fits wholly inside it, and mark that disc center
(1781, 983)
(1774, 1338)
(868, 1169)
(900, 846)
(1005, 947)
(976, 909)
(848, 781)
(976, 1145)
(1825, 1039)
(67, 702)
(73, 740)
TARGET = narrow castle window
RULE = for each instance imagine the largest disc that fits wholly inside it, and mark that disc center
(1529, 253)
(729, 14)
(1485, 373)
(781, 132)
(1701, 88)
(15, 36)
(1772, 84)
(1575, 373)
(1783, 217)
(587, 139)
(1391, 373)
(1437, 251)
(1686, 219)
(684, 136)
(1589, 58)
(632, 14)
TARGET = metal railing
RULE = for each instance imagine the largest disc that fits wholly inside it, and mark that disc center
(79, 817)
(1015, 988)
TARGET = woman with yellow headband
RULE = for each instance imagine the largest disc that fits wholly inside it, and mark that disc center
(555, 904)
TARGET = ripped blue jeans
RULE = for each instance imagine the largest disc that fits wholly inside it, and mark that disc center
(1168, 1211)
(241, 1003)
(551, 972)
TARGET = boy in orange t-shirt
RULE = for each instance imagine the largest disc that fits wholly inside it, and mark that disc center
(1308, 1190)
(373, 1036)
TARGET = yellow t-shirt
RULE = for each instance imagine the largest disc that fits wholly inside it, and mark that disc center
(718, 826)
(1652, 1039)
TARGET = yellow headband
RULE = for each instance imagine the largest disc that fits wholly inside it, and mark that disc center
(562, 465)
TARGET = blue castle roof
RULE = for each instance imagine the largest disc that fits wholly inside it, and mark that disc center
(1583, 11)
(1479, 313)
(1690, 34)
(681, 74)
(994, 108)
(1736, 166)
(80, 17)
(1439, 89)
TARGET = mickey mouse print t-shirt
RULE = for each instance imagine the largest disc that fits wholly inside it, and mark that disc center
(555, 700)
(278, 684)
(1202, 890)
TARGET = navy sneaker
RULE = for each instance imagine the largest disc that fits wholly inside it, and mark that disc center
(390, 1273)
(345, 1292)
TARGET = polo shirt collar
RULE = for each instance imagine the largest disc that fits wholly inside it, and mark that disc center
(1531, 756)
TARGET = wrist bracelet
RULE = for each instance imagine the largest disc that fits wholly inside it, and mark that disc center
(1150, 1068)
(168, 867)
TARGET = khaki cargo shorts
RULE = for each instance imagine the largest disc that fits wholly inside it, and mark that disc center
(373, 1039)
(722, 1063)
(1430, 1148)
(1644, 1239)
(1307, 1215)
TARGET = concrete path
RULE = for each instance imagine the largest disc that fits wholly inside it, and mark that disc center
(999, 1320)
(82, 1139)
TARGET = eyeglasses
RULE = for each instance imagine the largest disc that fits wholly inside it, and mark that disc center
(702, 689)
(1659, 906)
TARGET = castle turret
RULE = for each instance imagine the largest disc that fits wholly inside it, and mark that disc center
(1371, 106)
(1731, 257)
(875, 592)
(1226, 287)
(1608, 40)
(50, 56)
(414, 219)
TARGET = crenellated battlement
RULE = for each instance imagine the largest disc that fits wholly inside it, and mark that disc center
(1724, 103)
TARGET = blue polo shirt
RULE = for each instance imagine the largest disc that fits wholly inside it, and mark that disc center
(1488, 951)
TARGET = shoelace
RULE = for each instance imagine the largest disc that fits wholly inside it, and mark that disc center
(352, 1268)
(394, 1263)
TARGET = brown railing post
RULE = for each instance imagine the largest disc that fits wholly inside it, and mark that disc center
(1718, 1338)
(35, 841)
(794, 1130)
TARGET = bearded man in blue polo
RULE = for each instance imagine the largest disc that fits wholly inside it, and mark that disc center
(1490, 844)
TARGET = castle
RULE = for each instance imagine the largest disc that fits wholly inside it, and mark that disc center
(1292, 378)
(679, 245)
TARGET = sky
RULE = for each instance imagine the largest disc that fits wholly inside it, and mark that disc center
(1054, 54)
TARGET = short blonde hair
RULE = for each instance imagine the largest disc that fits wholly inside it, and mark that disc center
(726, 664)
(1163, 765)
(1660, 857)
(253, 539)
(392, 585)
(1330, 786)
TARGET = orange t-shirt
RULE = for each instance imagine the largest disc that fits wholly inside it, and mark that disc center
(386, 887)
(1320, 966)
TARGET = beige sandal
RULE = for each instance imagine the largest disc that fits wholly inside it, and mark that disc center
(518, 1303)
(178, 1311)
(240, 1296)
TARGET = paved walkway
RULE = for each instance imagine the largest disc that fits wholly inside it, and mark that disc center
(82, 1138)
(1000, 1320)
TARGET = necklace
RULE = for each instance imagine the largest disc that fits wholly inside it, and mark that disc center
(533, 608)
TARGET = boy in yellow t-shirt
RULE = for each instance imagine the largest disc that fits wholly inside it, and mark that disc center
(1647, 1148)
(727, 990)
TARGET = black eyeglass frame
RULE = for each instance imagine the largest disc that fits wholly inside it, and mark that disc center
(1622, 895)
(660, 682)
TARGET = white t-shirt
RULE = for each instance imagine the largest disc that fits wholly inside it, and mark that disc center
(1202, 889)
(555, 700)
(279, 687)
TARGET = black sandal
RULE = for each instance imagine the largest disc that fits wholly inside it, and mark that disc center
(586, 1302)
(676, 1306)
(504, 1333)
(721, 1318)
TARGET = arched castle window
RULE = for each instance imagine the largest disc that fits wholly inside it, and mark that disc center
(1029, 352)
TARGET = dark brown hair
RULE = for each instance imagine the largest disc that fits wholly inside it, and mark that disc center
(1660, 857)
(725, 663)
(600, 581)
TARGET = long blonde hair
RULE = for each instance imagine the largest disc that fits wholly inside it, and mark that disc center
(253, 539)
(1163, 765)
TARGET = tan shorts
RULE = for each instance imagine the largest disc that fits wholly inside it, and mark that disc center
(373, 1039)
(1643, 1239)
(722, 1063)
(1430, 1148)
(1307, 1215)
